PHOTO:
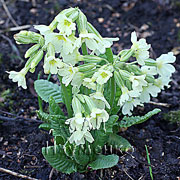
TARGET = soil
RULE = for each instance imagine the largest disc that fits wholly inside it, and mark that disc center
(21, 140)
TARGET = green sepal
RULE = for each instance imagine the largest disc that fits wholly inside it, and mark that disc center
(126, 54)
(150, 79)
(32, 50)
(86, 67)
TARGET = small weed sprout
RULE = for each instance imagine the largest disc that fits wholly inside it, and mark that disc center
(95, 85)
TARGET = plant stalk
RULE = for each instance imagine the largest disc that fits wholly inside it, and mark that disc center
(67, 98)
(109, 55)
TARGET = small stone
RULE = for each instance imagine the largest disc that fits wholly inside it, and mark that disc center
(100, 20)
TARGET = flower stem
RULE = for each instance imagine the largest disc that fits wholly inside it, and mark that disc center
(84, 49)
(109, 55)
(39, 99)
(113, 91)
(67, 97)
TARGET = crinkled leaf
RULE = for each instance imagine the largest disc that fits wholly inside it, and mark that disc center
(103, 162)
(58, 159)
(110, 123)
(68, 149)
(54, 108)
(59, 140)
(80, 156)
(45, 126)
(119, 142)
(129, 121)
(45, 89)
(60, 128)
(48, 117)
(100, 138)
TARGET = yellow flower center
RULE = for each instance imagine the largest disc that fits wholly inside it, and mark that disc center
(52, 62)
(104, 75)
(67, 23)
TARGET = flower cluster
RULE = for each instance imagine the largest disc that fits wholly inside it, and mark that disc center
(83, 63)
(139, 82)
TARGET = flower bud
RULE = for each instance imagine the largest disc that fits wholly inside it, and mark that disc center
(126, 54)
(133, 68)
(53, 25)
(89, 74)
(120, 65)
(86, 67)
(92, 29)
(41, 41)
(150, 62)
(150, 79)
(37, 59)
(31, 50)
(67, 12)
(82, 23)
(76, 105)
(92, 59)
(118, 79)
(74, 16)
(125, 74)
(27, 37)
(50, 49)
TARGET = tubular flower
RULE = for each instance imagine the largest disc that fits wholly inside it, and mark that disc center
(19, 77)
(97, 117)
(65, 25)
(102, 76)
(138, 82)
(126, 95)
(140, 48)
(89, 83)
(68, 72)
(52, 64)
(163, 68)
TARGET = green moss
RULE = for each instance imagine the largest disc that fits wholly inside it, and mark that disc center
(172, 116)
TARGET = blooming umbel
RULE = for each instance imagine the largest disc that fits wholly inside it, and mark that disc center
(95, 85)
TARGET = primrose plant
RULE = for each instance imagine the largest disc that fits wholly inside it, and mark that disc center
(95, 86)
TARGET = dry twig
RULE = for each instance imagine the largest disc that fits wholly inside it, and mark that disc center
(51, 174)
(16, 174)
(159, 104)
(16, 117)
(8, 13)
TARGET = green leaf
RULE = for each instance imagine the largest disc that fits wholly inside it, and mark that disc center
(80, 156)
(48, 117)
(54, 107)
(45, 89)
(58, 159)
(117, 141)
(103, 162)
(45, 126)
(60, 128)
(100, 138)
(59, 140)
(68, 149)
(129, 121)
(110, 123)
